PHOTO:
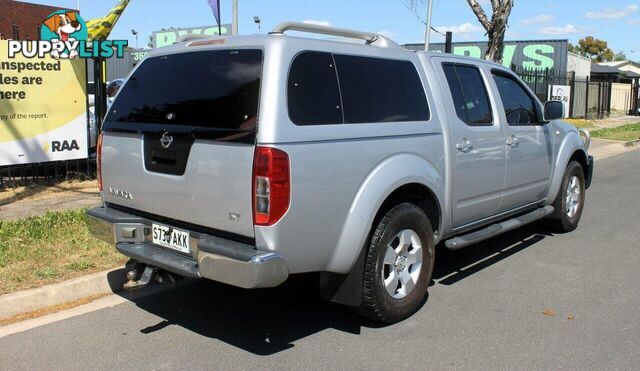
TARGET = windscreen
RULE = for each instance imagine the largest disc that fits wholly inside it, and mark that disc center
(212, 89)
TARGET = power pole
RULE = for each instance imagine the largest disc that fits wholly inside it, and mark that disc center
(234, 25)
(427, 32)
(447, 42)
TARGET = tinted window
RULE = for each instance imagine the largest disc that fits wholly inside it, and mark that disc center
(469, 94)
(313, 95)
(214, 89)
(456, 93)
(518, 104)
(380, 90)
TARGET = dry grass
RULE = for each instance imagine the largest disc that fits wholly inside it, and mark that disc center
(50, 248)
(581, 123)
(39, 191)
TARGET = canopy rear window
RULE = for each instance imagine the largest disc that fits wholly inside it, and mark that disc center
(210, 89)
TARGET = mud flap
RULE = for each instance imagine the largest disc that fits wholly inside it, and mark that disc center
(345, 288)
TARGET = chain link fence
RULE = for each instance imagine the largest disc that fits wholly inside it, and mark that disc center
(47, 173)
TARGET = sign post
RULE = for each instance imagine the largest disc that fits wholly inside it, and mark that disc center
(561, 93)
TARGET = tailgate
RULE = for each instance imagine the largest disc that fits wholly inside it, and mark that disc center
(179, 139)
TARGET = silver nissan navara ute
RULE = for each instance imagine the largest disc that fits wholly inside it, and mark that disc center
(248, 159)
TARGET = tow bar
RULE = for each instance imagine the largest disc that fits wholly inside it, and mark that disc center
(149, 275)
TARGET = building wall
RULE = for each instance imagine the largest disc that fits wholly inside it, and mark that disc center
(631, 67)
(578, 64)
(621, 97)
(117, 68)
(168, 37)
(28, 17)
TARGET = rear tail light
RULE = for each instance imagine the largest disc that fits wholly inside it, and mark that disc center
(271, 185)
(99, 161)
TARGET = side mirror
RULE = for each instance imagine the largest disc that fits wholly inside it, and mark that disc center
(553, 110)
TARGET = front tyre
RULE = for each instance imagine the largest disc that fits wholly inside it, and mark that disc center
(399, 265)
(570, 200)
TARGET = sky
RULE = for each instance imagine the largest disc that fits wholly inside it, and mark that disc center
(617, 22)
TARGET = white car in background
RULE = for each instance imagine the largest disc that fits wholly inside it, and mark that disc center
(112, 89)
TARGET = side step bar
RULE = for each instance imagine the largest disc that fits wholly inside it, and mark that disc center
(498, 228)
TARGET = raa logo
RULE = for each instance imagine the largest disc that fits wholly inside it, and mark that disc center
(65, 145)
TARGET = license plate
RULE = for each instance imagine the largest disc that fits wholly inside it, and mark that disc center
(172, 238)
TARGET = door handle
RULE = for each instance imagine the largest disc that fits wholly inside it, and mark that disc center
(512, 141)
(465, 145)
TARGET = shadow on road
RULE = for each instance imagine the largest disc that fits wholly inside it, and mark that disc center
(268, 321)
(453, 266)
(262, 322)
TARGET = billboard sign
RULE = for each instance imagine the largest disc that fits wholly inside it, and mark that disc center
(524, 55)
(43, 109)
(168, 37)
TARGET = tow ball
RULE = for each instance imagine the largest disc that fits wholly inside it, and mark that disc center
(149, 275)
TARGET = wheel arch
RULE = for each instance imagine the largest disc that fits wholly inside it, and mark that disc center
(405, 172)
(401, 178)
(580, 156)
(418, 194)
(572, 148)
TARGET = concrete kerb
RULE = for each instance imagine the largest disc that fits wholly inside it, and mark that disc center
(604, 148)
(105, 282)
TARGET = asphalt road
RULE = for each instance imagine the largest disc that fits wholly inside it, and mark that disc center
(485, 310)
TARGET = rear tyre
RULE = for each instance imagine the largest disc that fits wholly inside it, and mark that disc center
(399, 265)
(570, 200)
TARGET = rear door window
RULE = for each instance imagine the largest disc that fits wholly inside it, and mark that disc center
(212, 89)
(380, 90)
(469, 94)
(325, 88)
(313, 95)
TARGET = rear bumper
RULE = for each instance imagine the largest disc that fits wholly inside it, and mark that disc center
(211, 257)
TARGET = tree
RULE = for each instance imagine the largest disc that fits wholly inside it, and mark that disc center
(496, 28)
(596, 49)
(619, 57)
(574, 49)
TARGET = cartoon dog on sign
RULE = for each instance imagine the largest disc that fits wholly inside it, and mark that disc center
(63, 25)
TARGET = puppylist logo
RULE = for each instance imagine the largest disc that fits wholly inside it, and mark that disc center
(64, 29)
(64, 35)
